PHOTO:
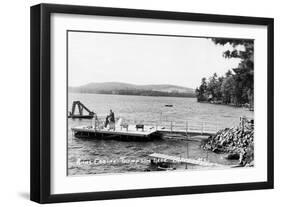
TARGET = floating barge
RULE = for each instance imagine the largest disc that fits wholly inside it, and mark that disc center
(130, 134)
(77, 116)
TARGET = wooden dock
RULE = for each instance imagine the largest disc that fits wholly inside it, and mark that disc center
(189, 132)
(132, 134)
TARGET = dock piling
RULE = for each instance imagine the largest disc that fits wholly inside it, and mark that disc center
(187, 155)
(186, 126)
(202, 128)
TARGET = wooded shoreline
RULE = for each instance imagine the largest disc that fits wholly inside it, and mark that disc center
(247, 106)
(236, 86)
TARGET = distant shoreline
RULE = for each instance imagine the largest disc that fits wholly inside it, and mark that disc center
(180, 96)
(224, 104)
(120, 88)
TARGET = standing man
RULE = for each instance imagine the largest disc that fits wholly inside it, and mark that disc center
(111, 120)
(111, 116)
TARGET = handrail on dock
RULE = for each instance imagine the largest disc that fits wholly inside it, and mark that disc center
(170, 125)
(186, 126)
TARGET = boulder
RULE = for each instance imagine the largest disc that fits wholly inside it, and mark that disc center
(236, 141)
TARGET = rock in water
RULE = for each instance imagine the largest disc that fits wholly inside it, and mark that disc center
(238, 142)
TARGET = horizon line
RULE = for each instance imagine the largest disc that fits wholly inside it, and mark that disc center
(133, 84)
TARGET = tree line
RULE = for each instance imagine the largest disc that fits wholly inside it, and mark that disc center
(139, 92)
(236, 87)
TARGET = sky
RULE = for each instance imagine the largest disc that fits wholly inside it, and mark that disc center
(143, 59)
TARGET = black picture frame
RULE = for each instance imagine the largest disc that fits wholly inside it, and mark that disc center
(41, 102)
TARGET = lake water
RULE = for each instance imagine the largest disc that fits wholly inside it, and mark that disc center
(151, 111)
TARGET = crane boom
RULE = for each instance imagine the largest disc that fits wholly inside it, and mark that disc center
(80, 107)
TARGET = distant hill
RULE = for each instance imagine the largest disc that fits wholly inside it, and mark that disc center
(132, 89)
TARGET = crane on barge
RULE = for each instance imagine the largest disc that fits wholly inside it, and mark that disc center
(80, 115)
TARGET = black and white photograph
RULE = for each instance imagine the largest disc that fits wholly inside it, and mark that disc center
(143, 103)
(140, 103)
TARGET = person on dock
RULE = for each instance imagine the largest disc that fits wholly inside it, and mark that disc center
(110, 120)
(111, 116)
(106, 121)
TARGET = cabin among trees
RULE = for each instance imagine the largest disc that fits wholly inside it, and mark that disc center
(236, 87)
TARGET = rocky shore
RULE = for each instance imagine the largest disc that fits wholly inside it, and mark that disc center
(236, 143)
